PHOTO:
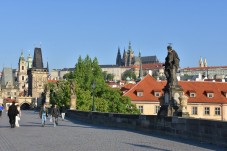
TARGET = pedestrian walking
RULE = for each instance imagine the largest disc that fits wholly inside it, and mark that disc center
(18, 117)
(43, 114)
(1, 109)
(63, 109)
(12, 113)
(55, 114)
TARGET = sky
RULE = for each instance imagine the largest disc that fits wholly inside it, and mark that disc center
(68, 29)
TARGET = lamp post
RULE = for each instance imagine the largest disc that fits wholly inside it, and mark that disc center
(93, 101)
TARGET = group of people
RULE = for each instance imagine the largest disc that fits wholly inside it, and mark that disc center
(54, 114)
(14, 114)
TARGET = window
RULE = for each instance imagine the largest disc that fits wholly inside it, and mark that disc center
(8, 93)
(217, 111)
(207, 111)
(23, 78)
(192, 95)
(210, 95)
(194, 110)
(141, 109)
(22, 67)
(139, 93)
(157, 109)
(157, 94)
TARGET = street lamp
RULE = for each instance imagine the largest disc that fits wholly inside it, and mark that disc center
(93, 101)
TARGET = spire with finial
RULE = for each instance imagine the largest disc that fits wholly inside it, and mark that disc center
(129, 46)
(201, 62)
(21, 55)
(118, 59)
(47, 67)
(141, 69)
(205, 62)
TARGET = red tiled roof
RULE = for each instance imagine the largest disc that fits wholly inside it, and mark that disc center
(52, 81)
(149, 85)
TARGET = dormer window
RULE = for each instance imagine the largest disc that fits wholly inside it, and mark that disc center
(224, 93)
(210, 94)
(139, 93)
(192, 95)
(157, 93)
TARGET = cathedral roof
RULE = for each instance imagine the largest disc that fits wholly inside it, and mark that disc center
(149, 59)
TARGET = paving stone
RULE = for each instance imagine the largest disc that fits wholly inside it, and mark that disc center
(71, 135)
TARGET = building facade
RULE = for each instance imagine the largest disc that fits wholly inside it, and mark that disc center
(206, 100)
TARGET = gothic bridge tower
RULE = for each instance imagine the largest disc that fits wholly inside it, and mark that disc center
(37, 75)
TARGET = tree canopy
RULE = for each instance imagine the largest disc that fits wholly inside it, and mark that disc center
(87, 73)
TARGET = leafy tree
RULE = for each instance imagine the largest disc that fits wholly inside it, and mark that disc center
(130, 74)
(88, 72)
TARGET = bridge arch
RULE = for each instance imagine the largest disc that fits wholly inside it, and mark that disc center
(25, 106)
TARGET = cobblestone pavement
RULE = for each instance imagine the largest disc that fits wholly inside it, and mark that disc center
(78, 136)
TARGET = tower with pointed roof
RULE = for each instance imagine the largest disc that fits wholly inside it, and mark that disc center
(201, 62)
(22, 73)
(37, 76)
(205, 62)
(118, 60)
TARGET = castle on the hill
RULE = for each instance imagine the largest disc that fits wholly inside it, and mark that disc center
(129, 59)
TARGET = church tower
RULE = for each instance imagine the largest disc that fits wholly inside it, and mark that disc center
(22, 73)
(125, 58)
(205, 62)
(37, 76)
(130, 55)
(118, 60)
(201, 62)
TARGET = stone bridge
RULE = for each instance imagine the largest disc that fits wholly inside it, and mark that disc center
(74, 135)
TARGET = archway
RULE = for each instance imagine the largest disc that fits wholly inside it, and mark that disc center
(25, 106)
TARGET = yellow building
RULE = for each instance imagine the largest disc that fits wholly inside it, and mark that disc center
(205, 99)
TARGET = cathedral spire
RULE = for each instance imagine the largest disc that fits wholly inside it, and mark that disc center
(201, 62)
(118, 59)
(141, 69)
(205, 62)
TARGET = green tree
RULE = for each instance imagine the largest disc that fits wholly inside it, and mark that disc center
(87, 72)
(130, 74)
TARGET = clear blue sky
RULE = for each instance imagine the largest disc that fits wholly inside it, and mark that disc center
(67, 29)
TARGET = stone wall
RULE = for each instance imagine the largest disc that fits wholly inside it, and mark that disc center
(214, 132)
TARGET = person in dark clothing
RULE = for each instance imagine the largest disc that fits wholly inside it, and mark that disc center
(1, 109)
(55, 114)
(12, 113)
(63, 109)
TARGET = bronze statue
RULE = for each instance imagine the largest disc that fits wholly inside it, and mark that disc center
(171, 66)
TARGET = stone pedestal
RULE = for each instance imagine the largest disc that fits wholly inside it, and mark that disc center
(174, 102)
(73, 102)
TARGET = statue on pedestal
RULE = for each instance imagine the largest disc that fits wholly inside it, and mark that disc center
(173, 93)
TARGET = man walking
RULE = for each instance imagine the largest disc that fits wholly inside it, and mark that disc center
(55, 114)
(63, 109)
(12, 113)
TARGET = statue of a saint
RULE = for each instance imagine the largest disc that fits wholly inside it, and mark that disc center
(171, 66)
